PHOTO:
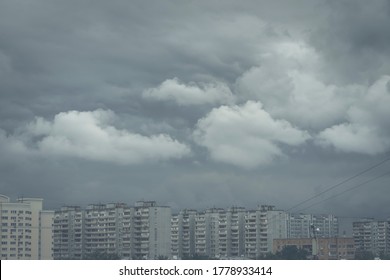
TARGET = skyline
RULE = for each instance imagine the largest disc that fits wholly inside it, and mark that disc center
(197, 103)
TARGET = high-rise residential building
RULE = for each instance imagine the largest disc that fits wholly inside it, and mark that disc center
(26, 229)
(183, 234)
(266, 223)
(201, 234)
(98, 229)
(235, 232)
(219, 233)
(299, 225)
(207, 233)
(114, 230)
(152, 231)
(261, 227)
(107, 229)
(276, 225)
(68, 233)
(372, 236)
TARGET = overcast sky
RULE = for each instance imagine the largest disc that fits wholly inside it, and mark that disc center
(196, 104)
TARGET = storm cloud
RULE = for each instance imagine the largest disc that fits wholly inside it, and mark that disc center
(195, 104)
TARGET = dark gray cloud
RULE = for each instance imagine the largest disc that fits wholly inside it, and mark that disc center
(194, 104)
(354, 40)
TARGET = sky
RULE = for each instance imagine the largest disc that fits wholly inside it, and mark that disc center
(197, 104)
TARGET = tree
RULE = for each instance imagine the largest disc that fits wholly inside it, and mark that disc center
(101, 255)
(384, 256)
(364, 255)
(290, 252)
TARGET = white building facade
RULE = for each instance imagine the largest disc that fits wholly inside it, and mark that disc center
(152, 231)
(26, 229)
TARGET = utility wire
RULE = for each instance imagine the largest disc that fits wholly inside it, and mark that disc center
(347, 190)
(340, 183)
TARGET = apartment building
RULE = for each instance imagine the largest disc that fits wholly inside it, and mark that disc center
(266, 223)
(299, 225)
(107, 229)
(152, 231)
(98, 229)
(113, 229)
(220, 233)
(68, 233)
(207, 242)
(261, 227)
(235, 232)
(252, 234)
(276, 226)
(373, 236)
(26, 229)
(183, 234)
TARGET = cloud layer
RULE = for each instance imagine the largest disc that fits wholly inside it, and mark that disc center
(192, 94)
(245, 136)
(367, 128)
(91, 136)
(206, 96)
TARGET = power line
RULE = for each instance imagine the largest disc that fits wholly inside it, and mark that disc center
(347, 190)
(340, 183)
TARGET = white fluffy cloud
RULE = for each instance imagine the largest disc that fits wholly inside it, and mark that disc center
(367, 128)
(245, 136)
(91, 136)
(190, 94)
(289, 85)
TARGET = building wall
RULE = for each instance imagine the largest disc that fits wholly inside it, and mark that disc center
(277, 221)
(68, 233)
(183, 234)
(373, 236)
(201, 235)
(98, 229)
(220, 233)
(24, 235)
(46, 235)
(152, 231)
(299, 225)
(159, 232)
(36, 207)
(252, 234)
(328, 248)
(236, 232)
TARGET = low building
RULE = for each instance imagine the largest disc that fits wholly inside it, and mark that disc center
(332, 248)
